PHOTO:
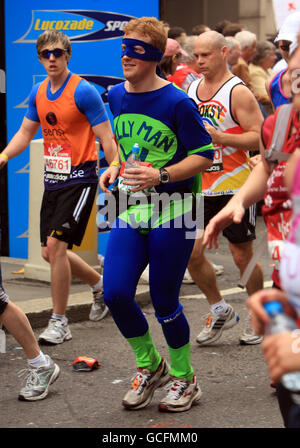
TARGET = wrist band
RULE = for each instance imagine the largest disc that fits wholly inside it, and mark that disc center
(4, 156)
(115, 163)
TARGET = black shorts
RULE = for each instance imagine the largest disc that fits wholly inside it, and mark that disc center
(235, 233)
(65, 213)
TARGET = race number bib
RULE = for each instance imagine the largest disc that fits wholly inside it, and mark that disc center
(57, 159)
(276, 248)
(217, 165)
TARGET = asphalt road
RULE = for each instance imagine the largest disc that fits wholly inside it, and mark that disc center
(233, 378)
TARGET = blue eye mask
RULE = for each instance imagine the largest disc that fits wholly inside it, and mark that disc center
(151, 53)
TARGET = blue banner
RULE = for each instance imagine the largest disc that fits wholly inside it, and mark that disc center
(95, 32)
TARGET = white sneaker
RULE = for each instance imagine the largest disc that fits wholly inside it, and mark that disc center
(187, 279)
(145, 275)
(248, 337)
(181, 395)
(56, 333)
(219, 269)
(98, 309)
(38, 380)
(215, 324)
(144, 385)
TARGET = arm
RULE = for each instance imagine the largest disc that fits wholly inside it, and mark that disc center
(247, 113)
(281, 352)
(20, 140)
(259, 316)
(251, 192)
(104, 133)
(147, 177)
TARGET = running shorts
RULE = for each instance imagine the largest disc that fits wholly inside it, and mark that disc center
(235, 233)
(65, 213)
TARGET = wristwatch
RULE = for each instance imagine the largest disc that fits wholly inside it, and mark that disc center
(164, 176)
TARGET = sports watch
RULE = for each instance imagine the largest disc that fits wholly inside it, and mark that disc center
(164, 176)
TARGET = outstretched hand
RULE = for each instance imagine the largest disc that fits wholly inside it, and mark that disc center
(231, 213)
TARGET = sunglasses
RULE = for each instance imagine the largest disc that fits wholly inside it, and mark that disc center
(57, 53)
(284, 47)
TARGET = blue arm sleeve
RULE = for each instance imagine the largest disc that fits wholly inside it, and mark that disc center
(89, 103)
(31, 112)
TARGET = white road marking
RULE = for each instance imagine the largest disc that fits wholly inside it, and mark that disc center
(224, 292)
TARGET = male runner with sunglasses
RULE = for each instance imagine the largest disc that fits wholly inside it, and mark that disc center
(71, 114)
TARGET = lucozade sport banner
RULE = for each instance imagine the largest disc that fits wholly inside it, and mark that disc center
(95, 28)
(282, 8)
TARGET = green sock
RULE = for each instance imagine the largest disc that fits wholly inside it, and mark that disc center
(147, 357)
(180, 362)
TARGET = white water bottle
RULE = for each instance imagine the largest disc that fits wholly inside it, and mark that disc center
(132, 162)
(280, 323)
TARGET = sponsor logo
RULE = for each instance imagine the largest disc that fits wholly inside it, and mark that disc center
(54, 151)
(53, 132)
(24, 170)
(51, 118)
(212, 112)
(79, 25)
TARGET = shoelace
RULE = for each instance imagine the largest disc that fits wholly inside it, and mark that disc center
(57, 325)
(208, 322)
(32, 378)
(175, 389)
(140, 381)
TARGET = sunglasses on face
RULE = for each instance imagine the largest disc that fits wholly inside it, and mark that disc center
(284, 47)
(57, 53)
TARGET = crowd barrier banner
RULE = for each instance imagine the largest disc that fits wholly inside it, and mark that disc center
(95, 29)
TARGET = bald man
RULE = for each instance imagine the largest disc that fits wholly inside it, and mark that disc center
(233, 119)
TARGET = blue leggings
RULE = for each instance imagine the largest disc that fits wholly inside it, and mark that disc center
(128, 252)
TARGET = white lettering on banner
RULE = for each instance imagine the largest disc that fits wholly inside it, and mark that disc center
(115, 25)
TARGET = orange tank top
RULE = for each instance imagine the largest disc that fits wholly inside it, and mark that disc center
(68, 137)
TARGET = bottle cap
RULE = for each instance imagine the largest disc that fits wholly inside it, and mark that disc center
(273, 308)
(136, 148)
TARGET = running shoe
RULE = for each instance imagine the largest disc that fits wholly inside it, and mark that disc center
(144, 385)
(145, 275)
(56, 333)
(215, 324)
(38, 380)
(181, 395)
(98, 309)
(219, 269)
(249, 337)
(187, 279)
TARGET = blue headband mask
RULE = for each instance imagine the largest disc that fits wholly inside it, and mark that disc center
(151, 53)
